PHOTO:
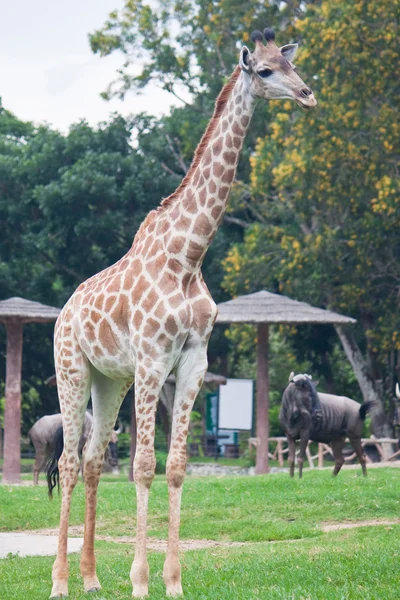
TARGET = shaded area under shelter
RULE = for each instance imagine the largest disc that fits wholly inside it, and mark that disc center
(14, 314)
(262, 309)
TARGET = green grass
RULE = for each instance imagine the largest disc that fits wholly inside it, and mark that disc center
(359, 564)
(273, 507)
(305, 564)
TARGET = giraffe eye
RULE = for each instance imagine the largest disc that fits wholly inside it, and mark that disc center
(265, 72)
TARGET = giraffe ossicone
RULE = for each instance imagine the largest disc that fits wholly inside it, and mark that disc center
(150, 314)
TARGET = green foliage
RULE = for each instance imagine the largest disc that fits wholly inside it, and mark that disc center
(161, 464)
(181, 44)
(326, 183)
(72, 204)
(124, 445)
(318, 189)
(317, 192)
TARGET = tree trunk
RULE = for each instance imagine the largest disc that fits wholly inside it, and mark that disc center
(380, 425)
(12, 410)
(262, 429)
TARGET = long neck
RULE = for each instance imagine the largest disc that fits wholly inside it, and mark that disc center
(196, 210)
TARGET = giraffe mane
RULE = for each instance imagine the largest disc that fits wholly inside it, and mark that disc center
(219, 106)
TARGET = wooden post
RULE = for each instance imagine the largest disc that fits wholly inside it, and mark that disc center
(131, 475)
(280, 455)
(12, 411)
(320, 456)
(309, 456)
(262, 428)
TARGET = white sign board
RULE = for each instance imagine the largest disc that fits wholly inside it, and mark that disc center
(236, 404)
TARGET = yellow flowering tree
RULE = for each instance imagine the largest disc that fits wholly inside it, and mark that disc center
(326, 183)
(317, 192)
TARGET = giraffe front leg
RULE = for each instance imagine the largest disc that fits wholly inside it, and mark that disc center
(147, 390)
(176, 469)
(140, 567)
(189, 379)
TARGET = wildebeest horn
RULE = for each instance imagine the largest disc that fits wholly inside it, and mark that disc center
(291, 376)
(119, 430)
(397, 391)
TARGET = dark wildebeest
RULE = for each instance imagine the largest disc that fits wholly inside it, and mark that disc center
(57, 447)
(112, 450)
(308, 415)
(42, 435)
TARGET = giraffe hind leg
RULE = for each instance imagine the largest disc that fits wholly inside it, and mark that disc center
(73, 391)
(107, 396)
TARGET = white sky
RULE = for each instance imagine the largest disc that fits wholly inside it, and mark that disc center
(48, 72)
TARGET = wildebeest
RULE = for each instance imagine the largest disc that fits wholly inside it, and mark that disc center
(309, 415)
(42, 435)
(112, 450)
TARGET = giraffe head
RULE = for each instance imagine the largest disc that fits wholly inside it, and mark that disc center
(271, 71)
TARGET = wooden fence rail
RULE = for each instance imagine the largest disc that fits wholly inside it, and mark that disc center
(323, 449)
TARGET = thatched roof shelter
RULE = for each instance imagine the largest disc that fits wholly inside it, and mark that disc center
(27, 311)
(264, 308)
(14, 313)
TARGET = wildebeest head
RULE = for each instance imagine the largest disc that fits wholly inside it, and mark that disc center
(298, 401)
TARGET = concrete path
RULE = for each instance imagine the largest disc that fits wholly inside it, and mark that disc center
(34, 545)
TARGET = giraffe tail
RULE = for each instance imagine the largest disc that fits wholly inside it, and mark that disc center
(52, 473)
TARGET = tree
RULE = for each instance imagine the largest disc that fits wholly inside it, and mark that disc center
(326, 185)
(71, 205)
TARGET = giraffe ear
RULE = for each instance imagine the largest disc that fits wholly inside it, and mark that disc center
(244, 60)
(289, 51)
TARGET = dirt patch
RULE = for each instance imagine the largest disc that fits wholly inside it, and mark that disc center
(152, 543)
(184, 545)
(373, 522)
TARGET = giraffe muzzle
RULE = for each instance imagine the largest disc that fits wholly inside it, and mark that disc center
(305, 98)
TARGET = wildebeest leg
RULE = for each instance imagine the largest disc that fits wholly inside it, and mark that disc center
(40, 457)
(292, 454)
(356, 443)
(337, 447)
(302, 454)
(41, 454)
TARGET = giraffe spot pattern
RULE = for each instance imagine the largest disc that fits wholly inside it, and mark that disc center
(135, 318)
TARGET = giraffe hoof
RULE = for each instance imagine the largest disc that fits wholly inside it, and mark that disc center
(140, 591)
(174, 590)
(92, 585)
(60, 591)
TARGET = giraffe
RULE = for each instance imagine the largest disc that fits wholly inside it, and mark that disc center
(151, 314)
